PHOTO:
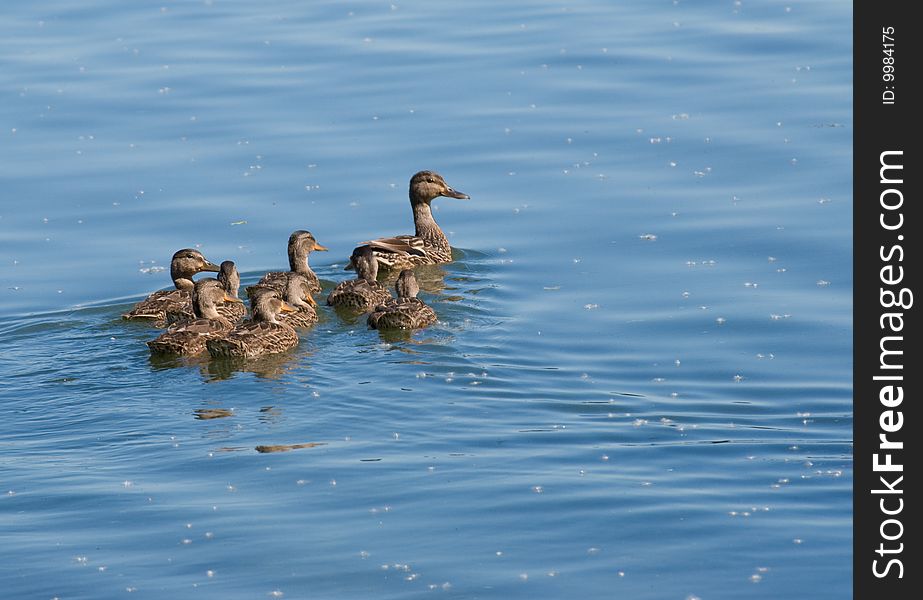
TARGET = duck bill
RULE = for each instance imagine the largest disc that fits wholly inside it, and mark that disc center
(286, 307)
(229, 298)
(450, 193)
(210, 266)
(319, 248)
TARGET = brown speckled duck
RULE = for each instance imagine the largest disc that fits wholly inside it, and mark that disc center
(189, 337)
(428, 245)
(406, 311)
(159, 306)
(262, 334)
(297, 294)
(229, 277)
(300, 244)
(362, 293)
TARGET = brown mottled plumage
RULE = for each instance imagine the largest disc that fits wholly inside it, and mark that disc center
(428, 245)
(297, 294)
(164, 304)
(189, 337)
(362, 293)
(406, 311)
(233, 311)
(300, 244)
(262, 334)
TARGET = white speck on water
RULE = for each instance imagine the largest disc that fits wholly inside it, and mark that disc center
(797, 541)
(592, 551)
(333, 482)
(650, 237)
(720, 320)
(750, 284)
(523, 576)
(275, 594)
(824, 201)
(538, 489)
(685, 294)
(822, 283)
(590, 306)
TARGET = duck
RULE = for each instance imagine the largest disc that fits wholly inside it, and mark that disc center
(428, 245)
(160, 305)
(406, 311)
(188, 337)
(262, 334)
(300, 244)
(297, 294)
(364, 292)
(235, 310)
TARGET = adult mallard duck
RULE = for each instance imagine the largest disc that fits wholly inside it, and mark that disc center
(158, 307)
(428, 245)
(300, 244)
(189, 337)
(262, 334)
(298, 295)
(229, 277)
(364, 292)
(406, 311)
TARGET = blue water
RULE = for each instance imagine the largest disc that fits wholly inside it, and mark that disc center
(639, 386)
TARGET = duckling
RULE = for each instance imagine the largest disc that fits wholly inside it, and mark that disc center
(157, 307)
(362, 293)
(298, 296)
(229, 277)
(262, 334)
(406, 311)
(300, 244)
(428, 245)
(189, 337)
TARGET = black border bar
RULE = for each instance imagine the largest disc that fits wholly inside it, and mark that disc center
(886, 372)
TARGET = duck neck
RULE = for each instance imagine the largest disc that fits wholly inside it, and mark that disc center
(298, 262)
(208, 311)
(183, 283)
(426, 227)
